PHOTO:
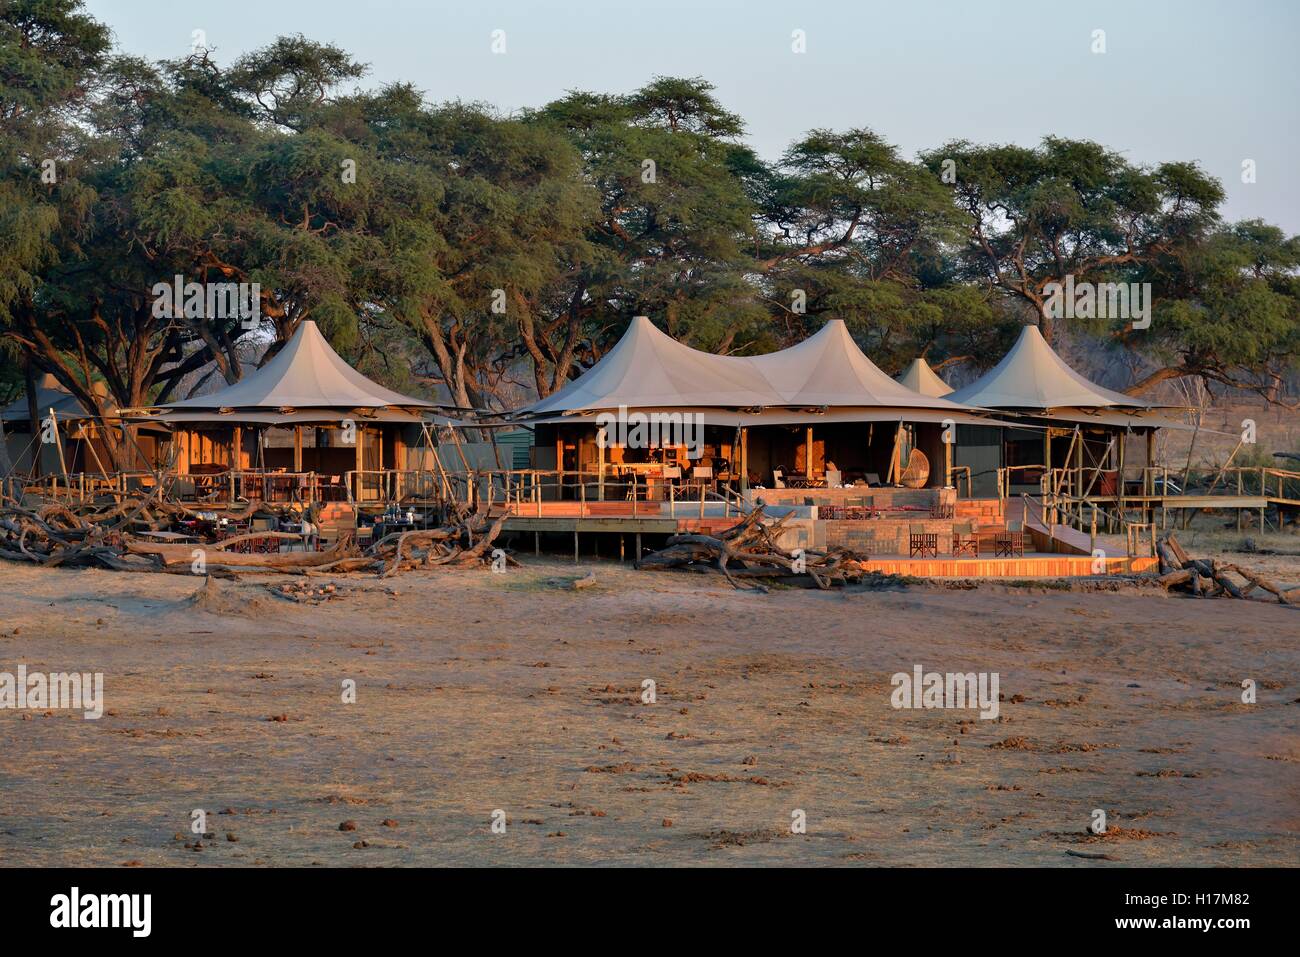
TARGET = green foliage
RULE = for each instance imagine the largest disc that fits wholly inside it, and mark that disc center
(448, 249)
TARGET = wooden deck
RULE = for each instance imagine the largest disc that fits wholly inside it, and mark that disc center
(1061, 553)
(627, 524)
(1034, 565)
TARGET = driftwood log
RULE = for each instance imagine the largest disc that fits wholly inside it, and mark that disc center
(748, 550)
(57, 534)
(1211, 578)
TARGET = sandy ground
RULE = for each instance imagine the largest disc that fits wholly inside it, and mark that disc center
(478, 691)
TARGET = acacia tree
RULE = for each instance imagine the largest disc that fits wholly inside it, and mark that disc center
(477, 218)
(509, 252)
(1231, 312)
(669, 236)
(50, 55)
(194, 176)
(1068, 207)
(850, 229)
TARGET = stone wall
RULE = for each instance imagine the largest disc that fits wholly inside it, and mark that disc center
(875, 497)
(880, 536)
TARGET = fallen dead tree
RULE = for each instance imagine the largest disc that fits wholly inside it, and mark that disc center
(218, 555)
(56, 534)
(748, 551)
(1211, 578)
(463, 542)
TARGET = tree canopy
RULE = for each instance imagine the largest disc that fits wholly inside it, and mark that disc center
(483, 258)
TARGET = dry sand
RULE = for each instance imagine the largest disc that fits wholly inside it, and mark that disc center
(478, 691)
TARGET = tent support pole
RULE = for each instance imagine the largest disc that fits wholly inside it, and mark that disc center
(360, 460)
(58, 444)
(894, 470)
(744, 463)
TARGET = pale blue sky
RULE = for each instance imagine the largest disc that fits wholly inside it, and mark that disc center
(1217, 82)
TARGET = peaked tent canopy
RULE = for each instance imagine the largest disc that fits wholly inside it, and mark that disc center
(1033, 376)
(919, 377)
(650, 369)
(306, 376)
(829, 369)
(50, 394)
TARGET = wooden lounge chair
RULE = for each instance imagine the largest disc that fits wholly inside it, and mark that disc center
(922, 542)
(965, 540)
(778, 478)
(1010, 541)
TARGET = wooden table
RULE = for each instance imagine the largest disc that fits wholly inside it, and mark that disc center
(170, 538)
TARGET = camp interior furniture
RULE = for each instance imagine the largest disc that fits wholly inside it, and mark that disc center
(942, 510)
(169, 538)
(917, 472)
(873, 479)
(778, 478)
(965, 540)
(1010, 540)
(636, 486)
(333, 491)
(702, 476)
(295, 528)
(922, 542)
(832, 478)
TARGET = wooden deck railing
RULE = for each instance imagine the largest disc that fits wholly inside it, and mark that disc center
(524, 492)
(1139, 537)
(1158, 481)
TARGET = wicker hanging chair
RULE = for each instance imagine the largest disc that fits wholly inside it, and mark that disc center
(917, 472)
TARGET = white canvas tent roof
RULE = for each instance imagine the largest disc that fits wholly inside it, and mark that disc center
(650, 369)
(798, 416)
(829, 369)
(1032, 376)
(50, 394)
(307, 374)
(1159, 418)
(919, 377)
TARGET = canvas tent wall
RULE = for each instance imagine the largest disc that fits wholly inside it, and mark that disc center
(308, 392)
(83, 447)
(798, 405)
(1064, 419)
